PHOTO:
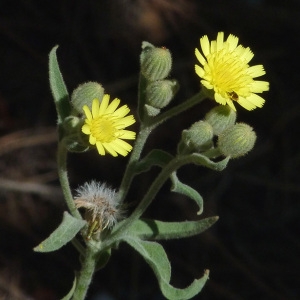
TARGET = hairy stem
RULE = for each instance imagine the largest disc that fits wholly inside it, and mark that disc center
(64, 180)
(86, 273)
(146, 128)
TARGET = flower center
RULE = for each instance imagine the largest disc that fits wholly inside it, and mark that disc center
(227, 72)
(103, 129)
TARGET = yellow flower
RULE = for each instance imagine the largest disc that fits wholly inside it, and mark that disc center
(225, 70)
(105, 126)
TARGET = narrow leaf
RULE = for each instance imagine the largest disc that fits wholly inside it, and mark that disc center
(58, 87)
(155, 256)
(202, 160)
(187, 293)
(64, 233)
(159, 230)
(184, 189)
(155, 158)
(71, 292)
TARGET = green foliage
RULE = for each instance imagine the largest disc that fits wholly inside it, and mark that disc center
(158, 230)
(155, 158)
(63, 234)
(71, 292)
(186, 190)
(155, 255)
(58, 88)
(196, 147)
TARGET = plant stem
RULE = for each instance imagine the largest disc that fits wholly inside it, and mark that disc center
(64, 180)
(165, 173)
(86, 273)
(146, 129)
(197, 98)
(134, 157)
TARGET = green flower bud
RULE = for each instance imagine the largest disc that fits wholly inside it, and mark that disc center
(84, 94)
(74, 139)
(156, 62)
(160, 93)
(197, 138)
(220, 118)
(236, 140)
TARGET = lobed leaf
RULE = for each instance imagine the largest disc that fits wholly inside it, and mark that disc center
(64, 233)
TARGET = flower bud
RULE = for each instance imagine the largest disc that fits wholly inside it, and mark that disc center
(155, 62)
(73, 138)
(220, 118)
(198, 137)
(159, 93)
(236, 140)
(84, 94)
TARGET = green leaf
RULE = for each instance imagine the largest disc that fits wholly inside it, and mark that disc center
(202, 160)
(184, 189)
(58, 87)
(64, 233)
(103, 259)
(159, 230)
(156, 257)
(71, 292)
(155, 158)
(187, 293)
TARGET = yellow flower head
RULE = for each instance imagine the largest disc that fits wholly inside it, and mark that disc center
(225, 70)
(105, 126)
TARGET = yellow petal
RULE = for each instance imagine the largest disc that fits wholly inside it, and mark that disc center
(199, 71)
(112, 106)
(122, 111)
(232, 41)
(92, 140)
(104, 104)
(204, 42)
(127, 134)
(124, 122)
(220, 99)
(246, 54)
(110, 149)
(100, 148)
(199, 56)
(256, 100)
(246, 103)
(256, 71)
(86, 129)
(231, 105)
(123, 144)
(259, 86)
(87, 112)
(95, 108)
(121, 148)
(220, 40)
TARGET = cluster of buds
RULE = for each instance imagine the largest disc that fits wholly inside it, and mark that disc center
(233, 139)
(156, 64)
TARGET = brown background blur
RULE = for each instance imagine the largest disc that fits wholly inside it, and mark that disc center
(253, 250)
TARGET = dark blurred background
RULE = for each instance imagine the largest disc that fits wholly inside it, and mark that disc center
(253, 250)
